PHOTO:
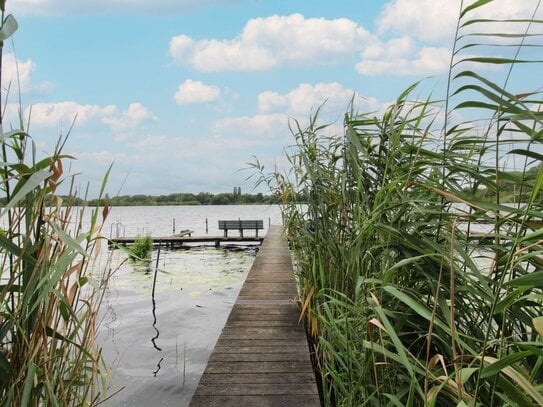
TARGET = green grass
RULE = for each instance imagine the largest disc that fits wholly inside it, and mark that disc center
(403, 305)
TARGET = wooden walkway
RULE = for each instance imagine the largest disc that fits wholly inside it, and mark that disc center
(262, 356)
(181, 241)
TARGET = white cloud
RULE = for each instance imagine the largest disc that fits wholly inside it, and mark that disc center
(273, 41)
(306, 98)
(64, 113)
(55, 114)
(17, 73)
(416, 35)
(103, 157)
(135, 115)
(429, 20)
(192, 92)
(395, 48)
(271, 126)
(251, 128)
(434, 21)
(391, 59)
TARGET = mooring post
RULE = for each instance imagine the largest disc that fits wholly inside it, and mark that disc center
(206, 226)
(174, 226)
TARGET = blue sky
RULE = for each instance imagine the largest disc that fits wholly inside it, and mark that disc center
(180, 94)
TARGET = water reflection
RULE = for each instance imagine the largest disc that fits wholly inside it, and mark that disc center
(158, 367)
(154, 338)
(168, 371)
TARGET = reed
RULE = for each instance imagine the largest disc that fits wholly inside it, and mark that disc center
(406, 302)
(49, 300)
(141, 250)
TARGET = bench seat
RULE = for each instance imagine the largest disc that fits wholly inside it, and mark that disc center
(240, 225)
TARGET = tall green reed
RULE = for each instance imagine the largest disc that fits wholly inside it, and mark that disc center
(49, 301)
(417, 287)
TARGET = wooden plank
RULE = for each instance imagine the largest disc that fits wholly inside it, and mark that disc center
(304, 400)
(259, 389)
(261, 332)
(257, 309)
(268, 297)
(260, 309)
(263, 317)
(256, 378)
(235, 367)
(266, 279)
(289, 288)
(261, 349)
(300, 356)
(287, 324)
(234, 319)
(262, 357)
(286, 343)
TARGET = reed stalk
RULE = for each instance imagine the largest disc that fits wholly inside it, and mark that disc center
(420, 273)
(49, 300)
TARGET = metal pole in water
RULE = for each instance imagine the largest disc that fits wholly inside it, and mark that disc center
(156, 269)
(154, 307)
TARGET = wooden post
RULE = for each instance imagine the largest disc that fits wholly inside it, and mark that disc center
(206, 226)
(174, 226)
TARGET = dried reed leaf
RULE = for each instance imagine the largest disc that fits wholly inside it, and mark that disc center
(538, 325)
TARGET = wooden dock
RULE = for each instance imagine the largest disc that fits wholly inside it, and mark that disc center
(180, 241)
(262, 356)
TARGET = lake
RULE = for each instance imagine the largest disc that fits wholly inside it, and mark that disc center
(157, 348)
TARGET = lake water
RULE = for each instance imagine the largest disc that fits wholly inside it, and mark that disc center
(157, 348)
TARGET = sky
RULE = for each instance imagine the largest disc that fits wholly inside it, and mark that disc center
(179, 95)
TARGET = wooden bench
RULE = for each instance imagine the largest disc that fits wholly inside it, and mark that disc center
(240, 225)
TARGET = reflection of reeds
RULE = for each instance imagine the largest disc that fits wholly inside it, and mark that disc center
(399, 309)
(48, 299)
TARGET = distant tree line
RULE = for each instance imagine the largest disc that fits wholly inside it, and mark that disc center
(202, 198)
(184, 198)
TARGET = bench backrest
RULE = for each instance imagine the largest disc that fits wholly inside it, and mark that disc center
(241, 224)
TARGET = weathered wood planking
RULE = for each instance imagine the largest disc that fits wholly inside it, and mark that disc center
(262, 357)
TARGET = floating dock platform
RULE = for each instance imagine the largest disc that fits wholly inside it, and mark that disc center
(180, 241)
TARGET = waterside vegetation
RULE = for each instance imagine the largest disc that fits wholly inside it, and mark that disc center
(141, 250)
(49, 301)
(408, 299)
